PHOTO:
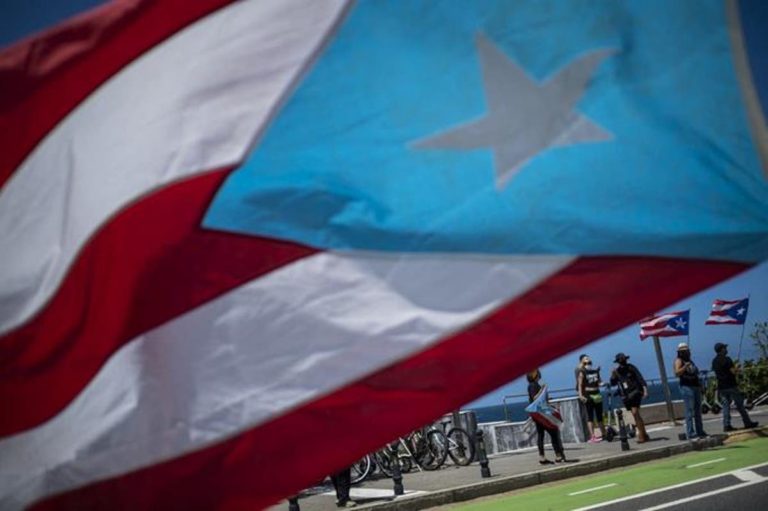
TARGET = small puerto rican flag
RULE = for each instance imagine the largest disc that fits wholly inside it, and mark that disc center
(542, 412)
(669, 324)
(728, 312)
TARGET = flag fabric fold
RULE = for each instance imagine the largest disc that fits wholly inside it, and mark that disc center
(728, 312)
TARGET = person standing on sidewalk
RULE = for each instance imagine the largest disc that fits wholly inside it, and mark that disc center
(589, 394)
(534, 387)
(633, 390)
(690, 388)
(728, 388)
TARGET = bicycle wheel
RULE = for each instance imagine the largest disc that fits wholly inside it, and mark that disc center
(461, 448)
(361, 469)
(383, 461)
(432, 450)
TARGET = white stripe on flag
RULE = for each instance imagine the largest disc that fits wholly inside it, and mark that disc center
(293, 335)
(721, 319)
(212, 89)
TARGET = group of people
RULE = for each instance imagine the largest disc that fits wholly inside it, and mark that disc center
(632, 388)
(691, 389)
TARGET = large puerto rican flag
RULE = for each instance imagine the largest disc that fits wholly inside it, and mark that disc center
(242, 243)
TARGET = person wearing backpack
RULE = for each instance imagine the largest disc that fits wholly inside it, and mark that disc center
(589, 394)
(632, 389)
(690, 388)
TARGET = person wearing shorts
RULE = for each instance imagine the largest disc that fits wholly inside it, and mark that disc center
(589, 394)
(633, 389)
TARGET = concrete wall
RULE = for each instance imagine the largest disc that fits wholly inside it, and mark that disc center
(505, 436)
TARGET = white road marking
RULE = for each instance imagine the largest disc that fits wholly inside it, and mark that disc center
(716, 460)
(675, 486)
(747, 476)
(589, 490)
(703, 495)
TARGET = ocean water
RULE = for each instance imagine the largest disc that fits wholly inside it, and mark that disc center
(515, 411)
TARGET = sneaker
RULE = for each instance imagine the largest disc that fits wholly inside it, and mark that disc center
(346, 504)
(752, 424)
(728, 429)
(594, 440)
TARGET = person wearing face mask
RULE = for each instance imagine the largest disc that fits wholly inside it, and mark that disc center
(633, 390)
(589, 394)
(690, 388)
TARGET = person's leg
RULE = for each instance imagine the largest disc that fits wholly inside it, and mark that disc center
(725, 402)
(642, 436)
(589, 406)
(738, 400)
(342, 482)
(540, 441)
(557, 444)
(697, 413)
(688, 402)
(600, 424)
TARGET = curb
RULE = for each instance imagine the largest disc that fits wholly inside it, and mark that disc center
(746, 434)
(505, 484)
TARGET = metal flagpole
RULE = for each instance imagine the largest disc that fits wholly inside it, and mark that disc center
(664, 382)
(741, 339)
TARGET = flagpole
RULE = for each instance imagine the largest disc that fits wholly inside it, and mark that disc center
(741, 339)
(664, 382)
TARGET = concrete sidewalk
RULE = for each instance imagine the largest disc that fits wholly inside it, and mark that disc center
(520, 469)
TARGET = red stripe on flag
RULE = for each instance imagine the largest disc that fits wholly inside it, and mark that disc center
(44, 78)
(149, 264)
(590, 298)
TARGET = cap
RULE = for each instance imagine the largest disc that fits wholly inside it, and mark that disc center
(620, 355)
(682, 346)
(719, 347)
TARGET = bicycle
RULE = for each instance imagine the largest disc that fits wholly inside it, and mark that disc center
(384, 457)
(461, 448)
(428, 447)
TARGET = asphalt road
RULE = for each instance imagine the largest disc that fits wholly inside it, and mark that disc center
(744, 490)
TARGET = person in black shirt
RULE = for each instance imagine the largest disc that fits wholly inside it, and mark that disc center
(633, 390)
(728, 388)
(588, 388)
(534, 387)
(690, 388)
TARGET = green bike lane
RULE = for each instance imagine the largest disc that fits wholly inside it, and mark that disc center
(624, 482)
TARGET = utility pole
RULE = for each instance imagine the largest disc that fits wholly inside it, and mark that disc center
(664, 382)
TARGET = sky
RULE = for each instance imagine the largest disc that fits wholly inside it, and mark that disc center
(753, 283)
(21, 18)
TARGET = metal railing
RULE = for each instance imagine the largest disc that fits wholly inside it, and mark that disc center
(565, 393)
